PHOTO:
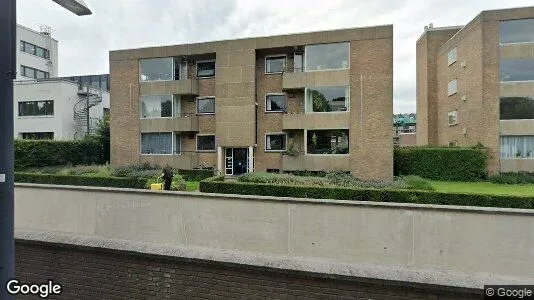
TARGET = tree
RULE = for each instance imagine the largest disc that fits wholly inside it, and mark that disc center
(103, 136)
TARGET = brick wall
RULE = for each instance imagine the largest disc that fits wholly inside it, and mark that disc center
(89, 273)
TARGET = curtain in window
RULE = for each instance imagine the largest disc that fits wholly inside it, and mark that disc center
(156, 143)
(521, 146)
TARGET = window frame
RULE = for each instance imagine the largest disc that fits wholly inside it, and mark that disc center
(326, 129)
(46, 52)
(203, 98)
(272, 56)
(154, 58)
(275, 111)
(174, 139)
(205, 134)
(512, 43)
(35, 116)
(347, 101)
(205, 61)
(23, 69)
(456, 89)
(305, 58)
(21, 134)
(512, 81)
(275, 133)
(141, 107)
(449, 60)
(155, 154)
(455, 113)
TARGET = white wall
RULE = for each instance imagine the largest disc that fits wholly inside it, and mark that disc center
(29, 60)
(65, 96)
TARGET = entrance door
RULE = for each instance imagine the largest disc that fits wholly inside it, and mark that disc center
(236, 162)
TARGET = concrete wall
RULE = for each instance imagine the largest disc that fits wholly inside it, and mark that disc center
(497, 242)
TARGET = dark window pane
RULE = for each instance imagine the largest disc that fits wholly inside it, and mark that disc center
(205, 142)
(206, 69)
(39, 74)
(326, 99)
(276, 103)
(155, 69)
(21, 45)
(328, 141)
(46, 53)
(40, 52)
(275, 64)
(166, 108)
(517, 69)
(29, 48)
(206, 106)
(156, 143)
(517, 31)
(275, 142)
(37, 135)
(516, 108)
(327, 56)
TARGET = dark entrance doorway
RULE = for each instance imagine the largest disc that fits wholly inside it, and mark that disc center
(236, 161)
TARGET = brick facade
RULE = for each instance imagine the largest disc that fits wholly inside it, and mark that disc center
(96, 273)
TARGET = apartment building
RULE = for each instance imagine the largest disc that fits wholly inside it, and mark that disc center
(475, 84)
(310, 101)
(47, 107)
(404, 128)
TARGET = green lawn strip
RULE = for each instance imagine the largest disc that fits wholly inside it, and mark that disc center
(192, 186)
(486, 188)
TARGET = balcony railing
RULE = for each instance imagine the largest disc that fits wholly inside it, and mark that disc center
(340, 119)
(299, 161)
(181, 122)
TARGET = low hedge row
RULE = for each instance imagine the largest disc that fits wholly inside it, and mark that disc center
(195, 175)
(442, 163)
(217, 185)
(80, 180)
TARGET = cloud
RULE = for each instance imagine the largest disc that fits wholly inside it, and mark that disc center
(84, 42)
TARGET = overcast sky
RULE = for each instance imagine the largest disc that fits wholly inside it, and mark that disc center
(84, 42)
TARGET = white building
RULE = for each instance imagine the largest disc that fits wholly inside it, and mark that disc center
(56, 109)
(37, 56)
(47, 107)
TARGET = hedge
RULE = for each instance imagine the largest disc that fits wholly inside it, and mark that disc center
(80, 180)
(216, 185)
(32, 154)
(444, 163)
(195, 175)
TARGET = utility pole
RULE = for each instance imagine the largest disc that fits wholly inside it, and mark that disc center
(8, 33)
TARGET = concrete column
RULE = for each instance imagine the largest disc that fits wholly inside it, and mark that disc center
(250, 159)
(220, 161)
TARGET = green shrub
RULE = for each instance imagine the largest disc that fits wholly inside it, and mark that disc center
(94, 170)
(344, 179)
(177, 184)
(262, 177)
(126, 171)
(513, 178)
(145, 173)
(418, 183)
(442, 163)
(216, 185)
(80, 180)
(35, 154)
(195, 175)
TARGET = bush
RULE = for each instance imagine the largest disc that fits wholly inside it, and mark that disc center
(34, 154)
(95, 170)
(196, 175)
(144, 173)
(343, 179)
(216, 185)
(126, 171)
(177, 184)
(418, 183)
(513, 178)
(442, 163)
(79, 180)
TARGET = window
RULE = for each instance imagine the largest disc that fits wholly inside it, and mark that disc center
(33, 73)
(517, 31)
(327, 56)
(206, 142)
(275, 142)
(517, 69)
(453, 143)
(37, 135)
(156, 106)
(327, 141)
(452, 87)
(206, 68)
(298, 62)
(273, 171)
(156, 69)
(453, 117)
(275, 103)
(513, 108)
(156, 143)
(327, 99)
(517, 146)
(275, 64)
(451, 57)
(177, 144)
(206, 106)
(36, 108)
(34, 50)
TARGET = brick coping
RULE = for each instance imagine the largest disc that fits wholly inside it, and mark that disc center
(362, 272)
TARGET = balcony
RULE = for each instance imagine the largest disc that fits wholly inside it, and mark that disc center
(177, 87)
(313, 162)
(186, 160)
(186, 122)
(299, 80)
(316, 120)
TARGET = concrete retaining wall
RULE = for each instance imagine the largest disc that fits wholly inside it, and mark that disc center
(475, 243)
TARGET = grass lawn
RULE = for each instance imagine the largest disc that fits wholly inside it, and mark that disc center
(484, 188)
(192, 186)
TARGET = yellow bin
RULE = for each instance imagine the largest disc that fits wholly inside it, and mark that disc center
(156, 186)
